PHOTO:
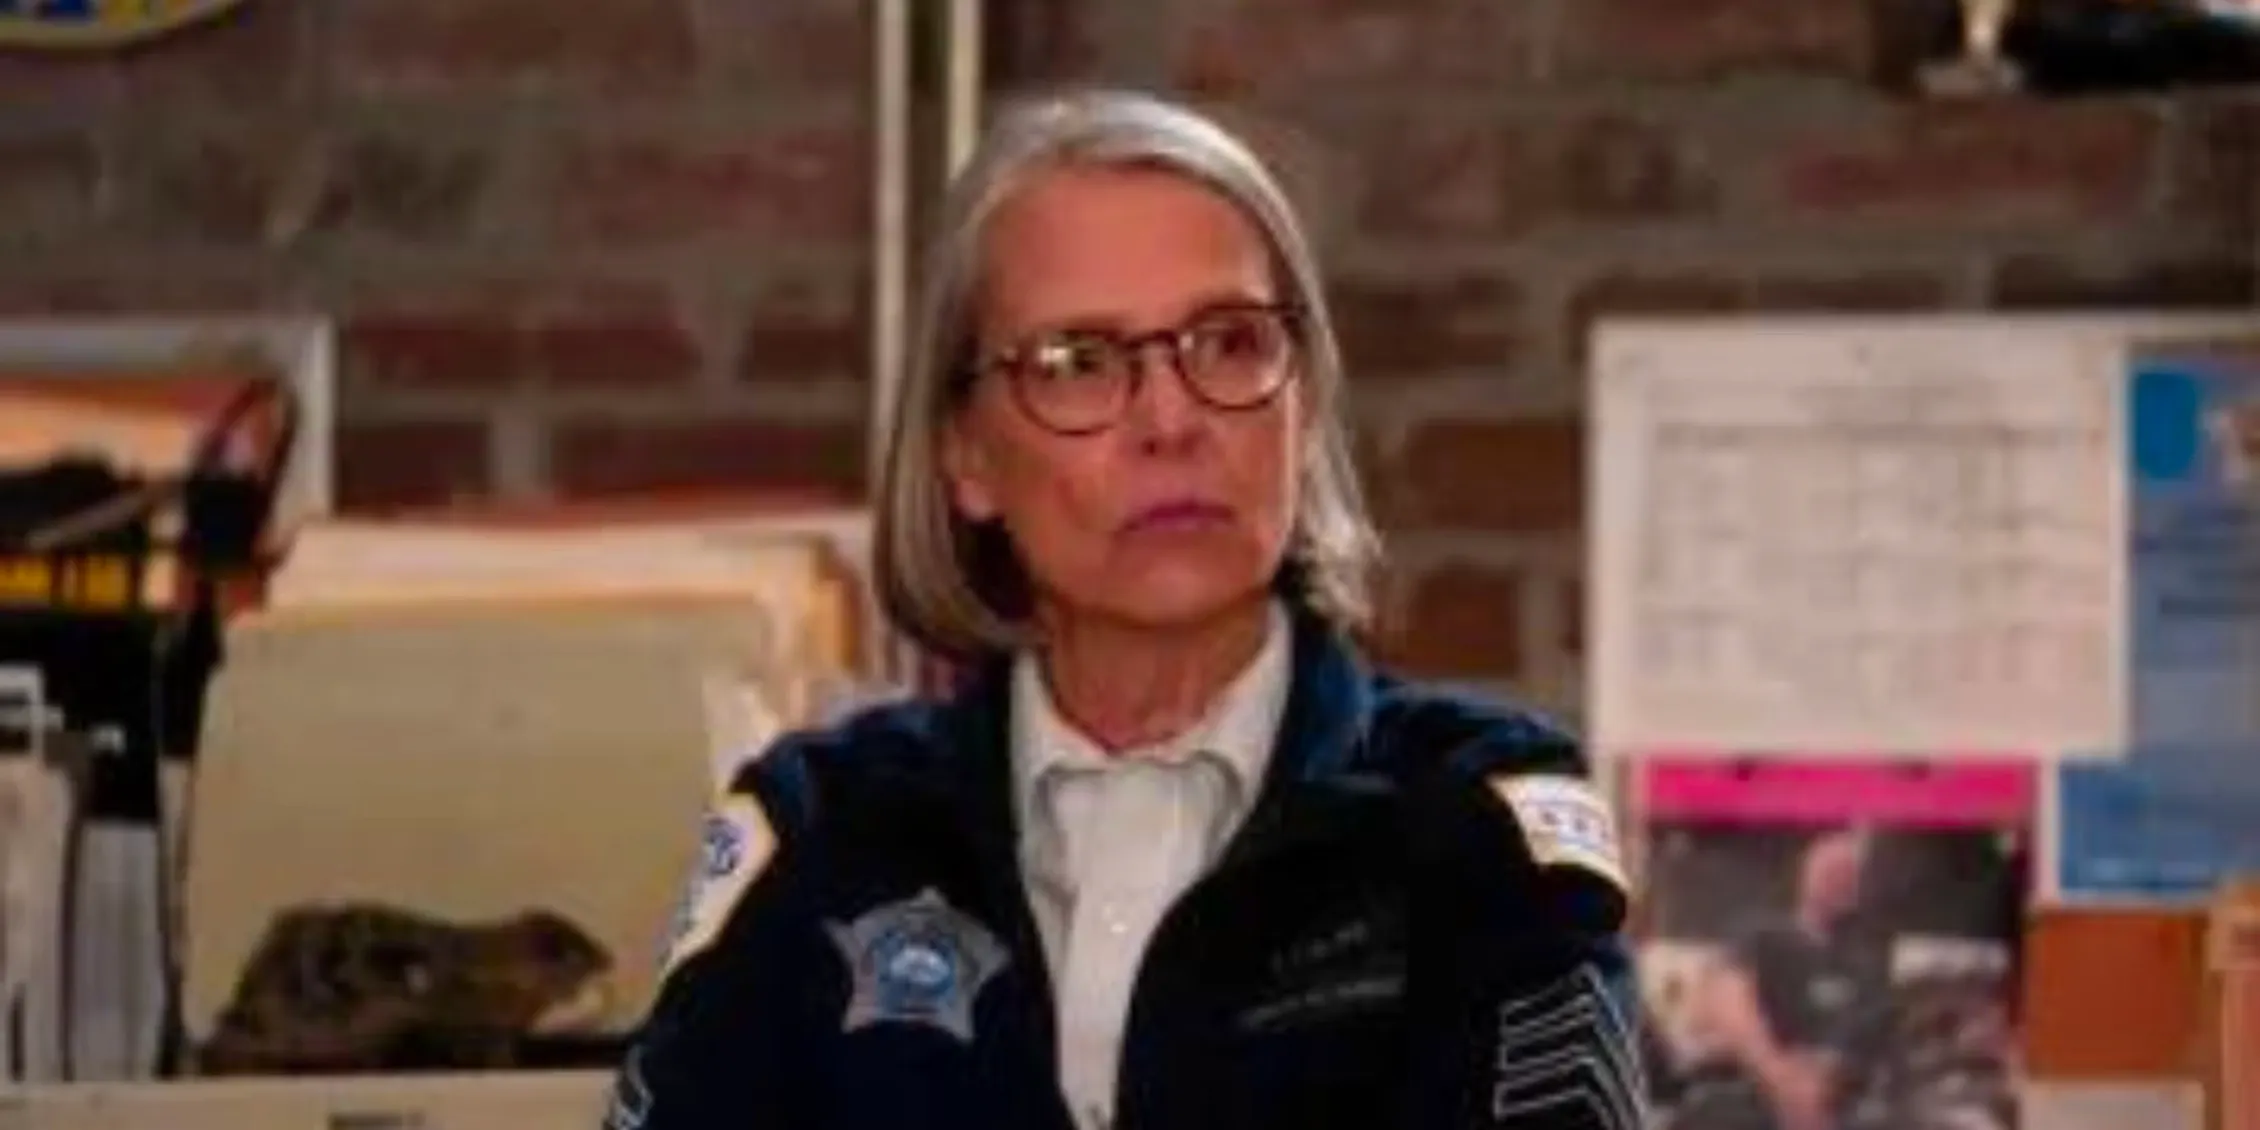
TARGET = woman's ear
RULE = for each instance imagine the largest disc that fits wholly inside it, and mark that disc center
(967, 466)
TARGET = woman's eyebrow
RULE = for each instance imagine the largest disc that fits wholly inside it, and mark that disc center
(1208, 302)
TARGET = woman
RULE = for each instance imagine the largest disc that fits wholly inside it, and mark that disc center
(1173, 858)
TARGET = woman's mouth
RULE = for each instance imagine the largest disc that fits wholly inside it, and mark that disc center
(1177, 516)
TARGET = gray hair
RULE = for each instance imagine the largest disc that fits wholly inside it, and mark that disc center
(956, 588)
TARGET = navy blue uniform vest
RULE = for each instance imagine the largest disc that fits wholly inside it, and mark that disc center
(1383, 944)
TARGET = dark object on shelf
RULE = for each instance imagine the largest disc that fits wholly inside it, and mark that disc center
(2076, 47)
(2081, 46)
(362, 987)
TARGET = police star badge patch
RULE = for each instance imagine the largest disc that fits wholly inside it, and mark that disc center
(1565, 822)
(735, 843)
(917, 961)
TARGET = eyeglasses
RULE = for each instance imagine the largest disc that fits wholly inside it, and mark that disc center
(1079, 382)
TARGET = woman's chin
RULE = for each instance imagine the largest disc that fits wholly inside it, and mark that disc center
(1165, 597)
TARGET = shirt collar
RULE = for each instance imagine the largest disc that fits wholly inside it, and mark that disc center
(1238, 730)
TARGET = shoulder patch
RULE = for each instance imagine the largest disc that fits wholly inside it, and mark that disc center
(735, 843)
(1565, 822)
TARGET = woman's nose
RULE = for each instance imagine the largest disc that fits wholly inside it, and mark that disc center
(1163, 411)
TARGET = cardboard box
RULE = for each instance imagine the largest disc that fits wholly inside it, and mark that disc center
(2113, 994)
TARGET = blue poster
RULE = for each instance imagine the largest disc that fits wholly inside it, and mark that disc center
(2184, 808)
(2167, 824)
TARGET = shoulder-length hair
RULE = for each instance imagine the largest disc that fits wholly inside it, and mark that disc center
(957, 588)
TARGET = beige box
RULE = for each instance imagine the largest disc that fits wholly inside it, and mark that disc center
(507, 735)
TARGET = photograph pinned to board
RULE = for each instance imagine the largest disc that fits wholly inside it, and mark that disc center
(2182, 810)
(1832, 942)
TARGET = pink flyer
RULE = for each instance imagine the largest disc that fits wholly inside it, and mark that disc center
(1831, 944)
(1977, 792)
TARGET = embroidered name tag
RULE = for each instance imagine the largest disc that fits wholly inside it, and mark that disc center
(1334, 997)
(919, 961)
(1348, 967)
(1565, 823)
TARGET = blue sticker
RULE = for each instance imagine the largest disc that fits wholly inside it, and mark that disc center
(2182, 808)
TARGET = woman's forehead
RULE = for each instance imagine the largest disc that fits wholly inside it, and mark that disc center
(1121, 246)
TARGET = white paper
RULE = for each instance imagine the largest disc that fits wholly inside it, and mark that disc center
(1882, 535)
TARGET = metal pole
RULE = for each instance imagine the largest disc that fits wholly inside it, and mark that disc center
(891, 660)
(963, 84)
(890, 226)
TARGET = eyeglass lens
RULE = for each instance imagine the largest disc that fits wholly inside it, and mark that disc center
(1082, 381)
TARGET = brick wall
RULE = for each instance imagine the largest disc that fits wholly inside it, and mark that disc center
(623, 247)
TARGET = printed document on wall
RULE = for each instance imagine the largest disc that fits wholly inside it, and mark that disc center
(1887, 535)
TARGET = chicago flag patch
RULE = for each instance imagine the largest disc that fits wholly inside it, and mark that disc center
(1564, 822)
(735, 843)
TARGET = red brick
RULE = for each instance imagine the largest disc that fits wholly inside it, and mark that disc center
(382, 466)
(1453, 620)
(1396, 326)
(1678, 40)
(809, 327)
(407, 184)
(138, 292)
(257, 51)
(440, 46)
(211, 181)
(793, 46)
(1273, 46)
(1511, 476)
(2017, 162)
(2191, 282)
(598, 457)
(801, 184)
(1477, 176)
(43, 82)
(2216, 167)
(615, 348)
(1027, 43)
(1718, 292)
(47, 185)
(436, 348)
(515, 333)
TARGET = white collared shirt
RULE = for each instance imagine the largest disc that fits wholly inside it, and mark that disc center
(1108, 842)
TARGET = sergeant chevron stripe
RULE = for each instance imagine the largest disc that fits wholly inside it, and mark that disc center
(1566, 1058)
